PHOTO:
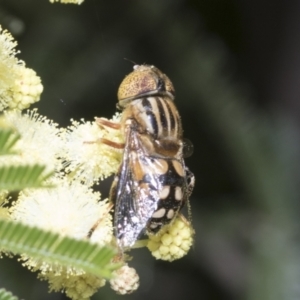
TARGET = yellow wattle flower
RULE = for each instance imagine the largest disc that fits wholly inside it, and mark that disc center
(173, 242)
(125, 280)
(19, 86)
(27, 88)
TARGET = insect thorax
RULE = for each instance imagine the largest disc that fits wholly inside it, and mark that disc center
(157, 121)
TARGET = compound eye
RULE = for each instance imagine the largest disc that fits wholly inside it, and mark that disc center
(144, 81)
(188, 148)
(169, 86)
(138, 82)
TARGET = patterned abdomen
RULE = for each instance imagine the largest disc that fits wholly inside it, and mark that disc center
(171, 195)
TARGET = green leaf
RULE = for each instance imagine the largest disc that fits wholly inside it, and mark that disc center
(8, 139)
(15, 178)
(5, 295)
(53, 248)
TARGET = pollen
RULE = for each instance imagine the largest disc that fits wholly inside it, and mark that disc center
(174, 242)
(125, 280)
(74, 210)
(71, 209)
(40, 141)
(86, 157)
(19, 86)
(76, 287)
(27, 88)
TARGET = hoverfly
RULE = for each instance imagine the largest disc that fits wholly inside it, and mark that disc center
(152, 183)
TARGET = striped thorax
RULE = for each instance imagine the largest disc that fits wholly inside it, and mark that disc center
(156, 116)
(147, 97)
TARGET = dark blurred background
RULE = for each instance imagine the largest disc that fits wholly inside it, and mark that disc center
(235, 66)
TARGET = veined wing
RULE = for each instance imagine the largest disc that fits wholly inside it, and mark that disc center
(135, 190)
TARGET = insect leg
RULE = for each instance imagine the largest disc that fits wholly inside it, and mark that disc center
(94, 227)
(107, 142)
(101, 122)
(190, 180)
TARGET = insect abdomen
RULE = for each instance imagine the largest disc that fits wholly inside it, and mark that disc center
(171, 196)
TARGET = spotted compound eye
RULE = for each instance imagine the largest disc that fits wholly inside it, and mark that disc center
(144, 81)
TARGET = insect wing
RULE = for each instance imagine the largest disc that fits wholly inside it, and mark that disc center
(134, 191)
